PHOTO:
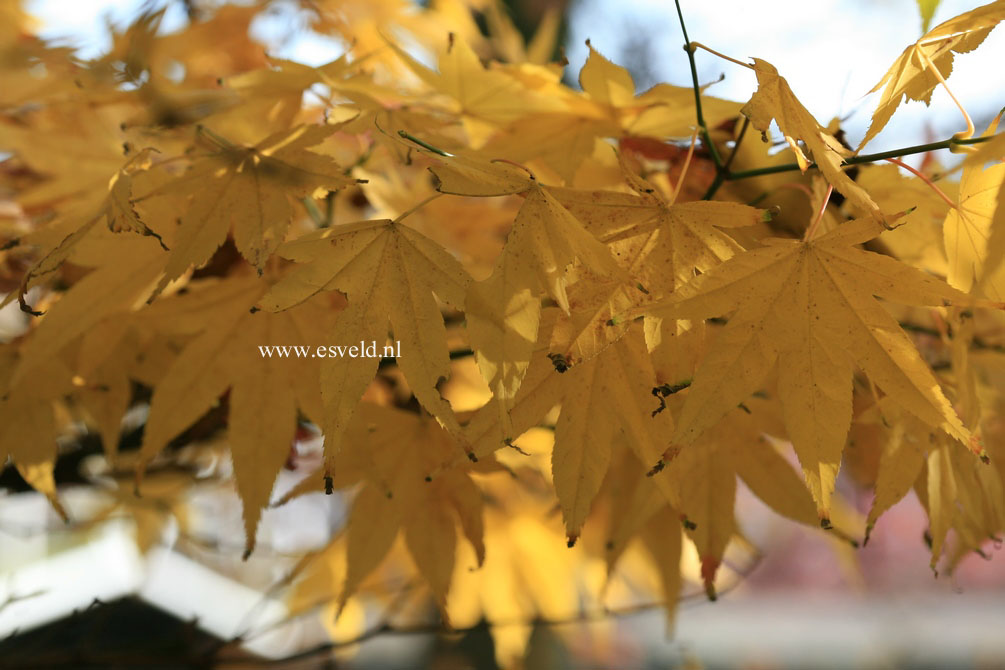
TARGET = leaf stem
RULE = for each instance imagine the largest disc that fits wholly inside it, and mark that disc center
(416, 207)
(938, 75)
(687, 164)
(699, 45)
(808, 235)
(923, 177)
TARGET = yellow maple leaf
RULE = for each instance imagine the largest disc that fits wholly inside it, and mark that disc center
(265, 391)
(974, 231)
(829, 285)
(483, 98)
(389, 272)
(504, 311)
(775, 100)
(29, 422)
(252, 188)
(394, 499)
(657, 243)
(111, 287)
(929, 61)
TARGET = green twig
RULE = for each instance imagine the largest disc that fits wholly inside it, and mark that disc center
(720, 175)
(425, 145)
(312, 210)
(864, 158)
(700, 118)
(722, 171)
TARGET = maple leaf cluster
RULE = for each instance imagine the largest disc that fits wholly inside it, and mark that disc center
(606, 312)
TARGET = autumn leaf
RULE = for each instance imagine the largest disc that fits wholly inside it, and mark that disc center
(542, 329)
(775, 100)
(28, 422)
(830, 285)
(263, 398)
(659, 244)
(395, 500)
(929, 61)
(389, 273)
(481, 97)
(109, 288)
(972, 227)
(252, 189)
(504, 311)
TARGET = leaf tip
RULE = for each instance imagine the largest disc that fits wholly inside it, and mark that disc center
(709, 566)
(571, 541)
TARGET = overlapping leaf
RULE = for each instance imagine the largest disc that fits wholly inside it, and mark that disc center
(265, 391)
(921, 66)
(252, 189)
(775, 100)
(808, 307)
(389, 273)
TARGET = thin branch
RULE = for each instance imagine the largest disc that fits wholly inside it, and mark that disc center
(699, 117)
(864, 158)
(720, 175)
(736, 144)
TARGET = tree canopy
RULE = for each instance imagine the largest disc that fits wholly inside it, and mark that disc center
(546, 330)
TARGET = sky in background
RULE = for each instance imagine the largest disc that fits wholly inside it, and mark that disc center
(832, 52)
